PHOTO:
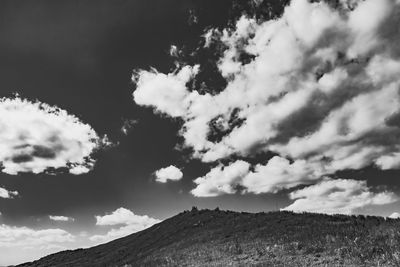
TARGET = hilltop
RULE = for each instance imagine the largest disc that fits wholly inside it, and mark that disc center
(227, 238)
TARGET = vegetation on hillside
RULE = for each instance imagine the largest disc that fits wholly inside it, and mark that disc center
(226, 238)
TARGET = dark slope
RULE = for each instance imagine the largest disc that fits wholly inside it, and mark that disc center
(222, 238)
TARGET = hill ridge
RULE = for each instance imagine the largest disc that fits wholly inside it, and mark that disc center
(222, 238)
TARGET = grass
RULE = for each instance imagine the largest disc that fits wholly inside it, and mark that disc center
(226, 238)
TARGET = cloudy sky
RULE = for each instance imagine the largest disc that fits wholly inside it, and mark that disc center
(115, 115)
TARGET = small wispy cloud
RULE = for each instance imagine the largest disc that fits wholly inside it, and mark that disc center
(128, 124)
(61, 218)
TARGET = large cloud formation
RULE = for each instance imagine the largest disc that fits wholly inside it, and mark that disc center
(337, 196)
(35, 137)
(320, 89)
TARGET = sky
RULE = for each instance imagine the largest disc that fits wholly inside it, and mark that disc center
(115, 115)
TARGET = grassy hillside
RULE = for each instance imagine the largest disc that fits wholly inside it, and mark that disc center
(226, 238)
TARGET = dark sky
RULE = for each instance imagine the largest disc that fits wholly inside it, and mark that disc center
(80, 55)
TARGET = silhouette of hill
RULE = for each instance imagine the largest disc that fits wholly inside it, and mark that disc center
(227, 238)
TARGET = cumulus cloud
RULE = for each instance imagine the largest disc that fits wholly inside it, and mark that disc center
(61, 218)
(166, 93)
(124, 216)
(21, 244)
(115, 233)
(171, 173)
(221, 180)
(320, 88)
(337, 196)
(394, 215)
(279, 173)
(4, 193)
(128, 221)
(35, 137)
(24, 237)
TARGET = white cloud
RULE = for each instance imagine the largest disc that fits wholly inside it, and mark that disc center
(4, 193)
(338, 196)
(221, 180)
(35, 137)
(130, 223)
(394, 215)
(61, 218)
(115, 233)
(22, 244)
(124, 216)
(80, 169)
(165, 92)
(280, 174)
(321, 90)
(272, 177)
(168, 173)
(24, 237)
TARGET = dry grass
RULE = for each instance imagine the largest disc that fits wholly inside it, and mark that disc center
(226, 238)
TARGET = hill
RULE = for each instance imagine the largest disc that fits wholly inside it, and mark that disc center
(226, 238)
